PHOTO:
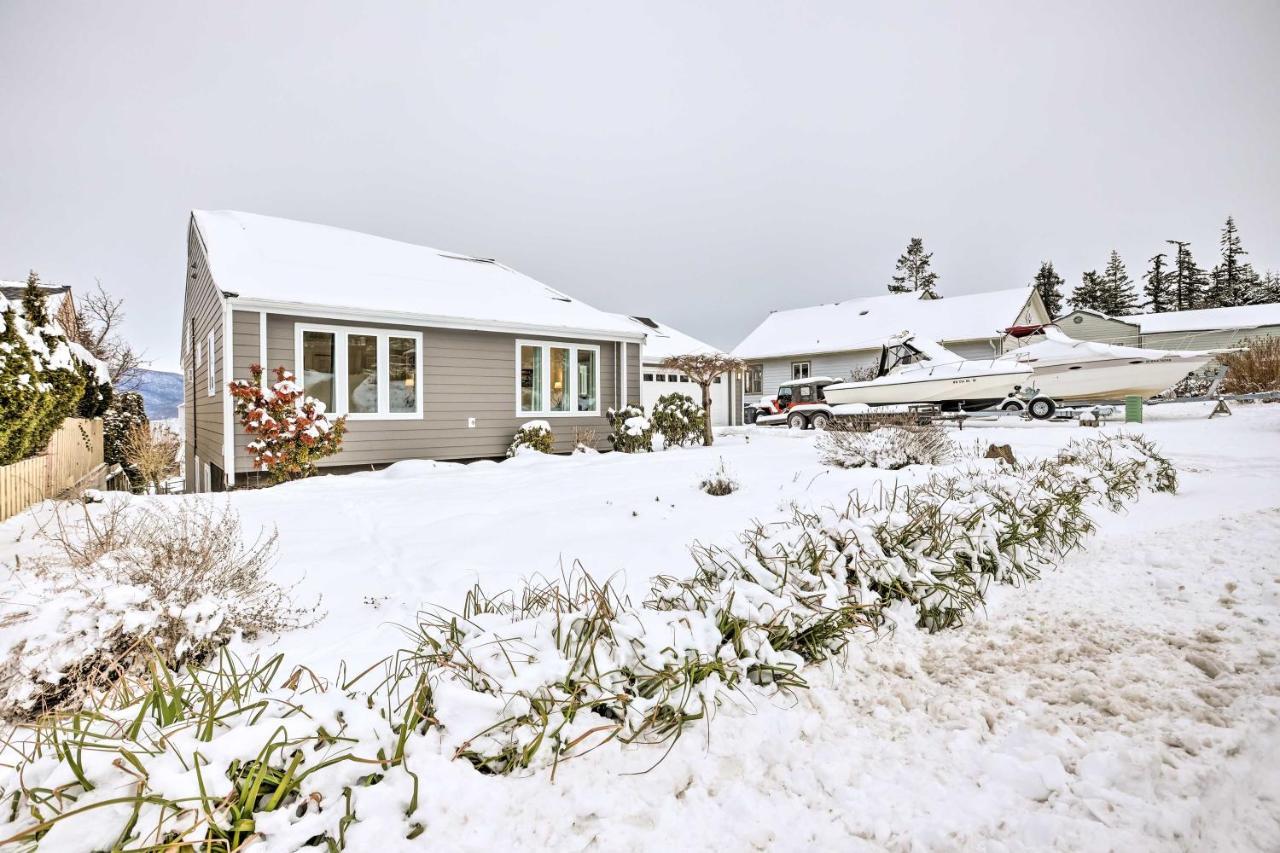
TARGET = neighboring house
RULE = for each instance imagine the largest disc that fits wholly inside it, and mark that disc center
(840, 338)
(1206, 328)
(57, 299)
(662, 342)
(430, 354)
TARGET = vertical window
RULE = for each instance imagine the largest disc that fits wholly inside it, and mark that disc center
(586, 380)
(318, 366)
(402, 358)
(362, 374)
(799, 370)
(755, 379)
(559, 379)
(530, 379)
(212, 372)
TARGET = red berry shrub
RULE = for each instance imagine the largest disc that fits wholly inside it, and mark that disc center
(291, 429)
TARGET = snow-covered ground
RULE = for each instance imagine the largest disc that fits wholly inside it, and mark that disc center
(1129, 700)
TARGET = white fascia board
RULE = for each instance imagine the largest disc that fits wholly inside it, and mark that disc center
(405, 318)
(228, 403)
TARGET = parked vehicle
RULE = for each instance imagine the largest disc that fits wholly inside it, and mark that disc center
(805, 393)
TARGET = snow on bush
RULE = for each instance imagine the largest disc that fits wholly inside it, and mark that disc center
(890, 447)
(116, 587)
(535, 437)
(531, 679)
(678, 419)
(631, 432)
(1254, 371)
(719, 482)
(291, 431)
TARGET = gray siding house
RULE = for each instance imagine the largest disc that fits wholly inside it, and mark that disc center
(429, 354)
(1205, 328)
(839, 338)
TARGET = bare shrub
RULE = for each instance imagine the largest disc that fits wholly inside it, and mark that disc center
(118, 587)
(584, 439)
(1255, 370)
(152, 450)
(845, 444)
(719, 482)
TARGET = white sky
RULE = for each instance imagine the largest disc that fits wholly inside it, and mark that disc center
(702, 163)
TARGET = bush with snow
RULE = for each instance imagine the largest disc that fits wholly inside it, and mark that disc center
(533, 437)
(118, 586)
(1254, 371)
(632, 432)
(844, 445)
(719, 482)
(678, 419)
(290, 429)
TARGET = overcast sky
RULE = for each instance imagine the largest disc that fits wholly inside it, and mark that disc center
(701, 163)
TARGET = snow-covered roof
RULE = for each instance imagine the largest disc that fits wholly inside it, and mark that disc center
(865, 323)
(1239, 317)
(662, 341)
(273, 260)
(54, 294)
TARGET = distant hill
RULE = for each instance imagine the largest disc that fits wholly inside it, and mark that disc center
(161, 392)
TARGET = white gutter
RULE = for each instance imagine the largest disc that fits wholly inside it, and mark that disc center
(406, 318)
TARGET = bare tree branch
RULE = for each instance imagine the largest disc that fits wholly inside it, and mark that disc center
(98, 319)
(702, 369)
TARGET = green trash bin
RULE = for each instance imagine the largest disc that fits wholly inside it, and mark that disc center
(1133, 410)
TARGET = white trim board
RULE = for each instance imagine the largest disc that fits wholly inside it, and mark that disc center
(545, 390)
(340, 378)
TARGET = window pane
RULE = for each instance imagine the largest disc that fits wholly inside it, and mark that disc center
(586, 380)
(317, 366)
(559, 379)
(362, 373)
(402, 355)
(530, 379)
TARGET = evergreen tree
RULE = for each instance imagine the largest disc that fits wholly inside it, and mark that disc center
(1119, 297)
(1049, 283)
(1268, 289)
(1089, 293)
(1232, 280)
(1187, 279)
(33, 304)
(1157, 288)
(914, 273)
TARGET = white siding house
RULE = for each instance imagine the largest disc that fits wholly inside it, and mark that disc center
(1205, 328)
(662, 342)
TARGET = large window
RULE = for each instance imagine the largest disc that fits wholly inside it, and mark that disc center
(362, 373)
(557, 379)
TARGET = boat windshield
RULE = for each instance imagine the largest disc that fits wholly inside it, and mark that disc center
(899, 355)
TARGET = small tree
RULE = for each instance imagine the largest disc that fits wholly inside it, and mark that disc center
(1088, 293)
(1157, 287)
(291, 429)
(126, 413)
(1187, 279)
(703, 369)
(152, 451)
(1119, 296)
(914, 272)
(98, 319)
(1049, 283)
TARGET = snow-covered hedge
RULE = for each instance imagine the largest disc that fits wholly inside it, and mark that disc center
(888, 447)
(44, 378)
(535, 436)
(632, 432)
(529, 680)
(678, 419)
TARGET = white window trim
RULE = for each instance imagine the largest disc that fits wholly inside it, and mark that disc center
(573, 349)
(808, 370)
(211, 373)
(384, 369)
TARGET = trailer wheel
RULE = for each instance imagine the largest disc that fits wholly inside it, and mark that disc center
(752, 414)
(821, 420)
(796, 420)
(1013, 406)
(1042, 408)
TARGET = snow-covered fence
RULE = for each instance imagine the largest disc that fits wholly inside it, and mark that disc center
(72, 454)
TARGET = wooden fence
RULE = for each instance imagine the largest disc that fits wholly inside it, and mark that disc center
(74, 452)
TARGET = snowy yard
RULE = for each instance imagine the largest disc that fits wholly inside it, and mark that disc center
(1130, 699)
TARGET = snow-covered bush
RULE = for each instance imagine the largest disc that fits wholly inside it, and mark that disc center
(584, 440)
(44, 379)
(127, 411)
(632, 432)
(535, 436)
(719, 482)
(136, 580)
(889, 447)
(291, 431)
(1255, 370)
(678, 419)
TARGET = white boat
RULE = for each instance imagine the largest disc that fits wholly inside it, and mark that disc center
(917, 371)
(1070, 370)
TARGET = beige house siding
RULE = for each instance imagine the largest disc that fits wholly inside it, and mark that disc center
(202, 313)
(465, 374)
(1086, 326)
(1207, 339)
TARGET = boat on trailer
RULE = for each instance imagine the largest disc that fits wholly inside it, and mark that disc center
(1069, 370)
(913, 370)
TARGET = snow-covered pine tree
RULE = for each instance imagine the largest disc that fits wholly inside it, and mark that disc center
(914, 273)
(1119, 297)
(1157, 287)
(1232, 280)
(1049, 283)
(1088, 294)
(1187, 279)
(1268, 289)
(33, 304)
